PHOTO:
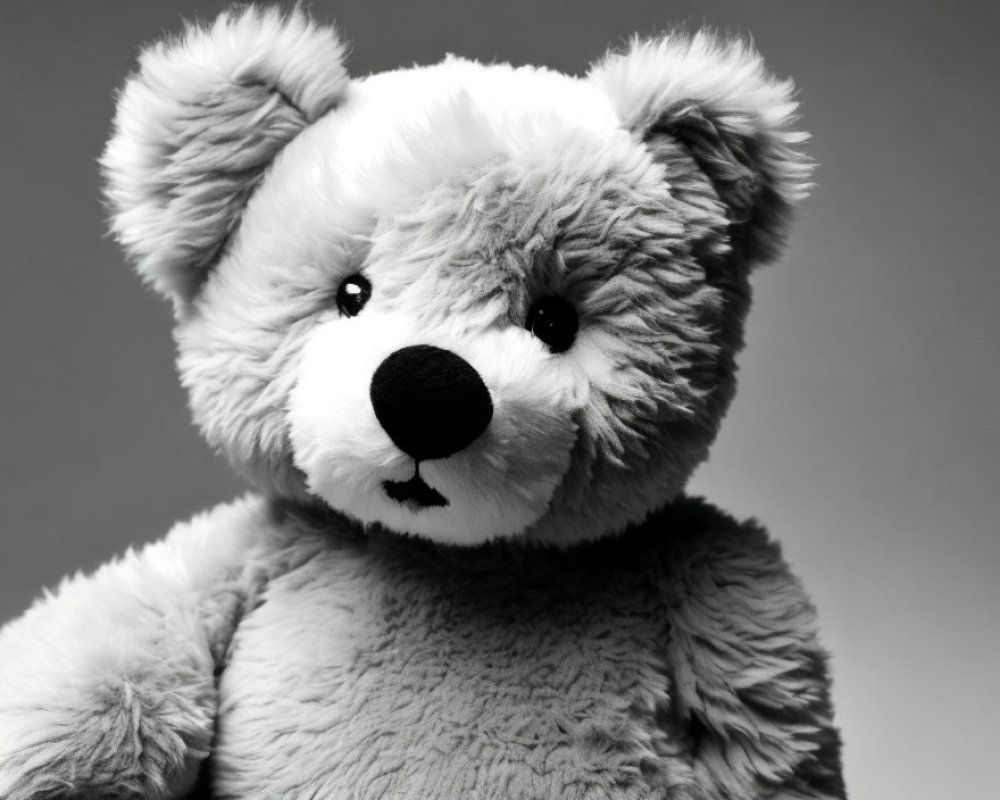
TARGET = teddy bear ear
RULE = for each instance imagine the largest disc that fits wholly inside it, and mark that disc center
(196, 127)
(713, 97)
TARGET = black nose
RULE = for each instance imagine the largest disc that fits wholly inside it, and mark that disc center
(431, 402)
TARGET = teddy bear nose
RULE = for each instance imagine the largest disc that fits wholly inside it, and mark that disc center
(430, 401)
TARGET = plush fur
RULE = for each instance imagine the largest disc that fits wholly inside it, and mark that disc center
(567, 623)
(197, 126)
(365, 665)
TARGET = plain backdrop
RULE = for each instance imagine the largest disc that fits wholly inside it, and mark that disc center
(865, 433)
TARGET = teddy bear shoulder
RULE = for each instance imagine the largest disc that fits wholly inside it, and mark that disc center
(749, 674)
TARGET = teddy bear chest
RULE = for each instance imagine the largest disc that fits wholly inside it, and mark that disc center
(368, 674)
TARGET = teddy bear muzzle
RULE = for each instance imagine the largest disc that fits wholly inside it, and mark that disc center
(431, 402)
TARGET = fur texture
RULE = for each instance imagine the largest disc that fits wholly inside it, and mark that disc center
(197, 126)
(463, 193)
(716, 98)
(106, 685)
(677, 662)
(569, 624)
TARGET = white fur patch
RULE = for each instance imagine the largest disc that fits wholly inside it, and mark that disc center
(497, 486)
(106, 683)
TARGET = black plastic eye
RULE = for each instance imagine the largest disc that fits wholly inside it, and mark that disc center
(554, 321)
(353, 294)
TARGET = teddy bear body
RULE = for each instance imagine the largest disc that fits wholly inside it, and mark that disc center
(468, 329)
(387, 668)
(369, 665)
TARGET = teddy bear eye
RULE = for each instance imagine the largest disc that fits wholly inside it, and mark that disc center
(554, 321)
(353, 294)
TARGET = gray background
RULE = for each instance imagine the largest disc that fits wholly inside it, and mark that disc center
(865, 433)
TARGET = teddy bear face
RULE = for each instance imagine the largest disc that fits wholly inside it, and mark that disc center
(469, 301)
(457, 249)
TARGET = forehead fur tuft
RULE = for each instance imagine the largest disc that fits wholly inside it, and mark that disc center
(197, 125)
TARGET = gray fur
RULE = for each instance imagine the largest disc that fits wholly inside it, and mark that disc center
(623, 250)
(523, 673)
(636, 236)
(630, 642)
(678, 662)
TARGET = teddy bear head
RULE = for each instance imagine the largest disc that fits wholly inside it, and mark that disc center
(462, 301)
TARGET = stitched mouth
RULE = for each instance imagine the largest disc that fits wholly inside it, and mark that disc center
(415, 494)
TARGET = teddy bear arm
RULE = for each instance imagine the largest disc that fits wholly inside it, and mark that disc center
(750, 674)
(108, 684)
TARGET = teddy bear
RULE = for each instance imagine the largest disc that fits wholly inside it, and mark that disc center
(467, 329)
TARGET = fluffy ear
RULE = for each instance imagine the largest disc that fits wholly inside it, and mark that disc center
(715, 98)
(199, 123)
